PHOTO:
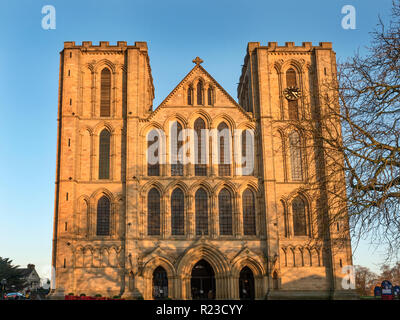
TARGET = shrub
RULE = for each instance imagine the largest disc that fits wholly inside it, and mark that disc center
(98, 295)
(82, 295)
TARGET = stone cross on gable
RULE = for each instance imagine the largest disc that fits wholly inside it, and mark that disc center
(197, 61)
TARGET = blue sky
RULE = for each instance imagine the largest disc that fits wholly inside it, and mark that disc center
(176, 32)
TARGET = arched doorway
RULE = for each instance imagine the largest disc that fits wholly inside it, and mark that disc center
(203, 281)
(160, 283)
(246, 284)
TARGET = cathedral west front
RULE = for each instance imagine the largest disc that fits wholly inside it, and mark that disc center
(202, 197)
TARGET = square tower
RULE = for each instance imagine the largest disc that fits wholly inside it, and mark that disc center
(103, 90)
(286, 87)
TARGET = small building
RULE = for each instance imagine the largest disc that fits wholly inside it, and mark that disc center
(31, 277)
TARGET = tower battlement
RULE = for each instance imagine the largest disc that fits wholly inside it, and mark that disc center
(141, 45)
(289, 46)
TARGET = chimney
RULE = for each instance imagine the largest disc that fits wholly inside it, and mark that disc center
(31, 266)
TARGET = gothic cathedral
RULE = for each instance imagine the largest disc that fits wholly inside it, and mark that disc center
(158, 202)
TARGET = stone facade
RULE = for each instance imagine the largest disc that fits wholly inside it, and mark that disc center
(122, 261)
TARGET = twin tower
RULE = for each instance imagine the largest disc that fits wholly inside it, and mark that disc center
(132, 218)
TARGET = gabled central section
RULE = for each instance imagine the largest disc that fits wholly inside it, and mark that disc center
(199, 88)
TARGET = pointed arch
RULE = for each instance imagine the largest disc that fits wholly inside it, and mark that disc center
(176, 184)
(144, 190)
(207, 252)
(199, 113)
(104, 63)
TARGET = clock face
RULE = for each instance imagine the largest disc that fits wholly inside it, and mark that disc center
(292, 93)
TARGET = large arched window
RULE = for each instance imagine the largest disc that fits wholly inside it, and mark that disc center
(225, 212)
(176, 149)
(177, 213)
(293, 107)
(153, 153)
(200, 167)
(153, 213)
(210, 96)
(295, 156)
(224, 150)
(299, 217)
(105, 92)
(103, 216)
(104, 154)
(247, 153)
(249, 213)
(201, 200)
(200, 93)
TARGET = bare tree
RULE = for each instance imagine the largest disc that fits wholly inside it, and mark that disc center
(365, 149)
(365, 280)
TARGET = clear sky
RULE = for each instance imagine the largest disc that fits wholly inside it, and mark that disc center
(176, 32)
